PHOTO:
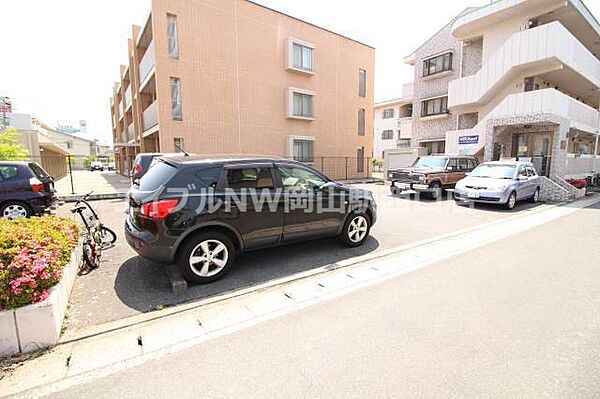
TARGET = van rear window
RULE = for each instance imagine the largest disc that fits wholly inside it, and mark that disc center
(159, 175)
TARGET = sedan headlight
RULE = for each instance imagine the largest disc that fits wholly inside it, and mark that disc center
(422, 178)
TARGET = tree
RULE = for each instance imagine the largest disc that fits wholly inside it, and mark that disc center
(9, 148)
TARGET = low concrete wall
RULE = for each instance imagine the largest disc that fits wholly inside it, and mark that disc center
(39, 325)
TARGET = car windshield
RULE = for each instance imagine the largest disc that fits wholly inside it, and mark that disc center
(431, 162)
(494, 171)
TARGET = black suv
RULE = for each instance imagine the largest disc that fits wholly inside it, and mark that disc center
(200, 211)
(26, 189)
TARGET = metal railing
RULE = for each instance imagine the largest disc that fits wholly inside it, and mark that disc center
(343, 168)
(150, 116)
(128, 97)
(147, 62)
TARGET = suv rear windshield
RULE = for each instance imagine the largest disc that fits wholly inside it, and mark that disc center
(158, 176)
(40, 173)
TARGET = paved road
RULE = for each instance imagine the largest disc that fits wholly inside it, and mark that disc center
(126, 285)
(517, 318)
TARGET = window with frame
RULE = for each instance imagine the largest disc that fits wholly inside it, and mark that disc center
(522, 172)
(438, 64)
(178, 143)
(403, 143)
(362, 83)
(303, 57)
(531, 170)
(249, 178)
(361, 122)
(295, 178)
(176, 106)
(303, 150)
(303, 105)
(173, 44)
(387, 135)
(388, 113)
(8, 172)
(434, 106)
(360, 159)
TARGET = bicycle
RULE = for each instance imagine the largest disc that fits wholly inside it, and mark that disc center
(97, 235)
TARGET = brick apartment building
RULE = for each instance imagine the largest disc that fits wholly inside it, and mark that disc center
(236, 77)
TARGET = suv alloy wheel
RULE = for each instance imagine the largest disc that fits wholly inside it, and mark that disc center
(356, 230)
(206, 257)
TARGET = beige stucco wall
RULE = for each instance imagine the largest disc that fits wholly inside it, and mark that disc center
(232, 66)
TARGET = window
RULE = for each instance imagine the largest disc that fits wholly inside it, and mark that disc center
(435, 106)
(302, 56)
(387, 135)
(8, 172)
(303, 105)
(361, 122)
(463, 165)
(438, 64)
(522, 171)
(178, 144)
(360, 159)
(531, 171)
(69, 144)
(172, 36)
(452, 164)
(472, 164)
(403, 143)
(388, 113)
(294, 178)
(256, 178)
(176, 107)
(362, 83)
(303, 150)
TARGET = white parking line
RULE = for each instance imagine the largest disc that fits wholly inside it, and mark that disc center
(110, 352)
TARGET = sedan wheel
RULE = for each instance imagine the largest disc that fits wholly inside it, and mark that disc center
(535, 197)
(206, 257)
(15, 210)
(512, 200)
(356, 230)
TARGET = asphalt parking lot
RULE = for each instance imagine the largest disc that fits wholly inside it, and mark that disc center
(126, 284)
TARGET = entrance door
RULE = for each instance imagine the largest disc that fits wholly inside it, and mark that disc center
(535, 146)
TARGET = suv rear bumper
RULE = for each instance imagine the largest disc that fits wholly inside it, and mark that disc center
(146, 245)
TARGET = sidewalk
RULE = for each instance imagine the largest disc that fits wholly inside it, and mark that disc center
(105, 185)
(107, 349)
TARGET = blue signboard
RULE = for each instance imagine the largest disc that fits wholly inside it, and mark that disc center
(474, 139)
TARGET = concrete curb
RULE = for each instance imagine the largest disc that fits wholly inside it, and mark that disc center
(93, 197)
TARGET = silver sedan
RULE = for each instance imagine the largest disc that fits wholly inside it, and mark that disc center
(499, 182)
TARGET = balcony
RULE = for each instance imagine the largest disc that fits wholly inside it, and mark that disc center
(532, 52)
(527, 104)
(150, 116)
(147, 63)
(128, 97)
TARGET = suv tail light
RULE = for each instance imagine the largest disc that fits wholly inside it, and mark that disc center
(137, 169)
(158, 209)
(36, 184)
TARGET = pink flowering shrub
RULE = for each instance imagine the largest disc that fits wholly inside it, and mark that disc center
(33, 253)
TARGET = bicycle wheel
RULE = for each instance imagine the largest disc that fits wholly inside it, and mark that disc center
(90, 256)
(109, 237)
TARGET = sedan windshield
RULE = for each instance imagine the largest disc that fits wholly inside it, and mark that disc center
(431, 162)
(494, 171)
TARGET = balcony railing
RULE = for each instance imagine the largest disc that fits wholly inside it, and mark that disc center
(147, 62)
(547, 46)
(150, 116)
(128, 97)
(539, 102)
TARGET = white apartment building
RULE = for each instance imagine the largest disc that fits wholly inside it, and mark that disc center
(392, 124)
(523, 82)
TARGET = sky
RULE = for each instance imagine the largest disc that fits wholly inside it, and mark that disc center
(61, 57)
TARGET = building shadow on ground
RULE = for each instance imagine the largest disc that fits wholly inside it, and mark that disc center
(143, 285)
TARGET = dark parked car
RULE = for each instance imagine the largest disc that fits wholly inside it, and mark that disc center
(431, 174)
(26, 189)
(201, 211)
(142, 163)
